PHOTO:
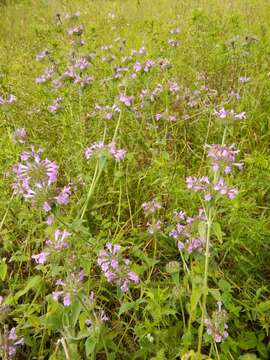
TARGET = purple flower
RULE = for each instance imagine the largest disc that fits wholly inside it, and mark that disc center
(49, 220)
(173, 87)
(11, 98)
(81, 63)
(127, 100)
(56, 295)
(63, 197)
(115, 267)
(216, 327)
(40, 258)
(151, 207)
(77, 30)
(58, 243)
(46, 76)
(223, 114)
(67, 300)
(118, 154)
(175, 31)
(46, 206)
(137, 67)
(244, 79)
(56, 105)
(223, 157)
(42, 54)
(173, 42)
(19, 136)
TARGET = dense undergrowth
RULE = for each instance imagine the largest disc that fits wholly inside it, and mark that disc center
(135, 168)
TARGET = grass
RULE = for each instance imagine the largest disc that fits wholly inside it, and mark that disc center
(161, 316)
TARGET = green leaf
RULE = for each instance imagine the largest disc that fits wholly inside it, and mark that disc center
(249, 357)
(202, 229)
(90, 346)
(3, 269)
(33, 282)
(217, 231)
(264, 306)
(75, 308)
(126, 307)
(247, 340)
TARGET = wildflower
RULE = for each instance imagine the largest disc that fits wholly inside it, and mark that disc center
(154, 226)
(83, 81)
(77, 30)
(33, 175)
(63, 197)
(8, 100)
(235, 95)
(40, 258)
(223, 157)
(42, 54)
(217, 326)
(127, 100)
(185, 232)
(118, 154)
(67, 300)
(244, 79)
(223, 114)
(13, 342)
(19, 136)
(102, 316)
(148, 64)
(151, 207)
(49, 220)
(59, 242)
(115, 267)
(164, 64)
(81, 63)
(55, 105)
(2, 100)
(46, 76)
(173, 42)
(173, 87)
(175, 31)
(204, 185)
(141, 50)
(137, 67)
(11, 98)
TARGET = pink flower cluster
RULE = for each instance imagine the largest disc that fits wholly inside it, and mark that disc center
(19, 136)
(118, 154)
(105, 112)
(185, 232)
(231, 114)
(46, 76)
(151, 207)
(116, 268)
(57, 244)
(8, 99)
(217, 326)
(36, 179)
(223, 158)
(13, 342)
(208, 188)
(69, 288)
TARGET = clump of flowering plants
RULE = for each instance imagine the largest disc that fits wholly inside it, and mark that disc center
(114, 243)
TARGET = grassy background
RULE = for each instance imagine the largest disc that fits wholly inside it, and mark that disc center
(222, 39)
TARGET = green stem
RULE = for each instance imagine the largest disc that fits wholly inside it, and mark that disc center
(205, 280)
(98, 171)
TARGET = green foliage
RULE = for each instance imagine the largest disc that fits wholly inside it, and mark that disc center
(163, 315)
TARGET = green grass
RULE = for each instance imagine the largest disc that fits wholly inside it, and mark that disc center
(161, 316)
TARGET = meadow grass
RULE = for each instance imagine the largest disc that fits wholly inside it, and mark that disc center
(110, 248)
